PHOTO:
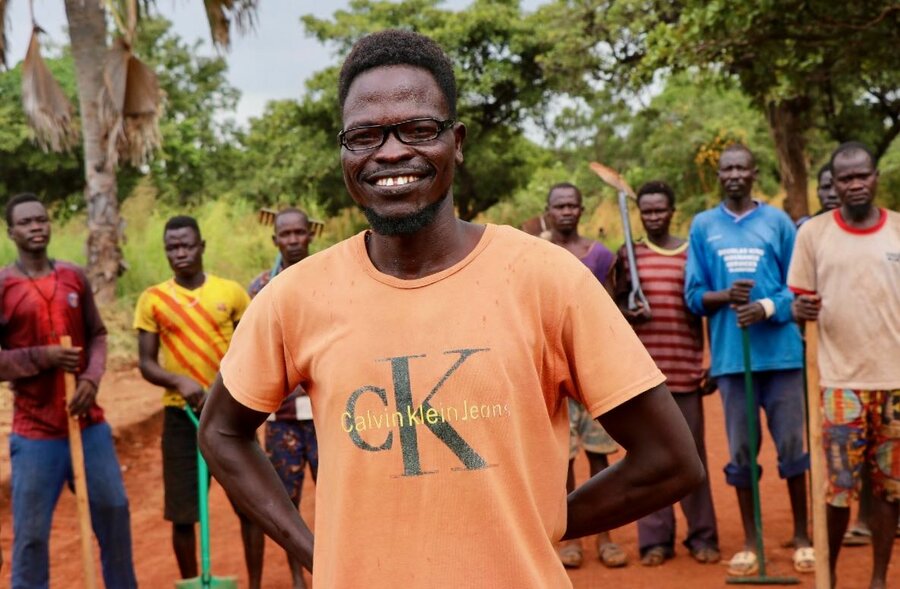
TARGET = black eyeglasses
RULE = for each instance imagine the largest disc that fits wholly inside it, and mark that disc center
(410, 132)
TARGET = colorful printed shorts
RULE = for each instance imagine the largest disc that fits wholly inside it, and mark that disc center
(586, 432)
(861, 427)
(290, 445)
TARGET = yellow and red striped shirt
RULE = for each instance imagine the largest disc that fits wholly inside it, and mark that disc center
(194, 326)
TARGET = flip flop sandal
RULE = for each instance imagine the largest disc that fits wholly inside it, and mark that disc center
(857, 537)
(804, 560)
(743, 564)
(611, 555)
(571, 554)
(706, 555)
(654, 557)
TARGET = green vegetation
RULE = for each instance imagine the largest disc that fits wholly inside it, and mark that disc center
(654, 89)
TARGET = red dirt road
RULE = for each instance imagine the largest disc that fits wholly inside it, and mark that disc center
(133, 409)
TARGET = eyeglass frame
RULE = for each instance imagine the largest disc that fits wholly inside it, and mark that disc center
(392, 129)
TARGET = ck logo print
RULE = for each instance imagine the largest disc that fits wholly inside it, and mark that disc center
(893, 257)
(374, 431)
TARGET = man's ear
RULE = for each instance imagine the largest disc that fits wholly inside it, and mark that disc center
(459, 136)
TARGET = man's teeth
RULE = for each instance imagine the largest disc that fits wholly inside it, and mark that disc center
(395, 180)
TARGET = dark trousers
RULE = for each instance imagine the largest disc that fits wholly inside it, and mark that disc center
(658, 528)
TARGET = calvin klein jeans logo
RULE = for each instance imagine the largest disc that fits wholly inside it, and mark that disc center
(408, 417)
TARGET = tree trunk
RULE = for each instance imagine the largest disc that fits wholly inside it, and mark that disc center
(788, 123)
(87, 30)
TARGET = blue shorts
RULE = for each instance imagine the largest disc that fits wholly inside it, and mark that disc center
(780, 395)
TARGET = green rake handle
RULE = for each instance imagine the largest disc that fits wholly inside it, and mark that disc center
(203, 486)
(753, 432)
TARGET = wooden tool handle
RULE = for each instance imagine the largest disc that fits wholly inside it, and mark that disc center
(816, 457)
(81, 491)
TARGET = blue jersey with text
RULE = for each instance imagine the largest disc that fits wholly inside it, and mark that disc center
(757, 245)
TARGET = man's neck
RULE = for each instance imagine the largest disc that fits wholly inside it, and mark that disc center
(862, 221)
(34, 264)
(665, 240)
(190, 281)
(739, 205)
(438, 246)
(564, 238)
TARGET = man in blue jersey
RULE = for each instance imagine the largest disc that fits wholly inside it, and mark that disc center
(736, 276)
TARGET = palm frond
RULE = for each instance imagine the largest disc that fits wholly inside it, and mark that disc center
(49, 112)
(130, 107)
(3, 5)
(222, 14)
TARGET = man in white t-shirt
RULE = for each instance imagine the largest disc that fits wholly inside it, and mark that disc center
(846, 273)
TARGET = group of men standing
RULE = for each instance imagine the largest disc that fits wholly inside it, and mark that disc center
(448, 439)
(184, 326)
(741, 269)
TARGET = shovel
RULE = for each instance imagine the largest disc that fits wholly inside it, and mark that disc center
(761, 578)
(205, 580)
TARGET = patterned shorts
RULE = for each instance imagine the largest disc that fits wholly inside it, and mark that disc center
(861, 427)
(290, 445)
(586, 432)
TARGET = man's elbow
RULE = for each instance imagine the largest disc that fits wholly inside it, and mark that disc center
(688, 472)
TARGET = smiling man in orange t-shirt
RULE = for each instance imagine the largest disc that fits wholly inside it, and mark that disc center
(438, 356)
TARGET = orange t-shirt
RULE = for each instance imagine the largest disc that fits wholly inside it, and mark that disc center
(439, 405)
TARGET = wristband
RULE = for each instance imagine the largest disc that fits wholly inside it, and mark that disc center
(768, 306)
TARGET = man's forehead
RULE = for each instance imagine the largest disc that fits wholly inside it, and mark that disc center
(29, 208)
(394, 85)
(854, 160)
(290, 218)
(181, 234)
(736, 157)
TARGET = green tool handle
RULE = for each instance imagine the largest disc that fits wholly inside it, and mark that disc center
(750, 400)
(203, 487)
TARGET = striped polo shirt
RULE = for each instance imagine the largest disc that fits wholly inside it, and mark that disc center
(673, 336)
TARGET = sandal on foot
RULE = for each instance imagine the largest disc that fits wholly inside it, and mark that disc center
(804, 560)
(857, 536)
(571, 554)
(706, 555)
(743, 564)
(611, 555)
(655, 556)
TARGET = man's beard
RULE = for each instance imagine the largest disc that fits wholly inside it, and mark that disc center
(405, 224)
(858, 212)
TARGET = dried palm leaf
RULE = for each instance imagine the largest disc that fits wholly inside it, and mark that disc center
(130, 107)
(50, 114)
(3, 5)
(222, 13)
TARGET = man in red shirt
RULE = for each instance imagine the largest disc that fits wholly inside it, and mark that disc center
(40, 300)
(672, 335)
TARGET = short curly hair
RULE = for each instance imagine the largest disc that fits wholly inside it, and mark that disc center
(657, 187)
(399, 47)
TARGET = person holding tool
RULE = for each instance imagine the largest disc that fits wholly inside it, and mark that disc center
(736, 274)
(563, 213)
(42, 300)
(859, 336)
(290, 432)
(190, 318)
(673, 336)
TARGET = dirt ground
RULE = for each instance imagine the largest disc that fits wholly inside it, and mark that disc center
(134, 411)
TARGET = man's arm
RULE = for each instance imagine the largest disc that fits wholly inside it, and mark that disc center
(148, 354)
(26, 362)
(660, 466)
(227, 441)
